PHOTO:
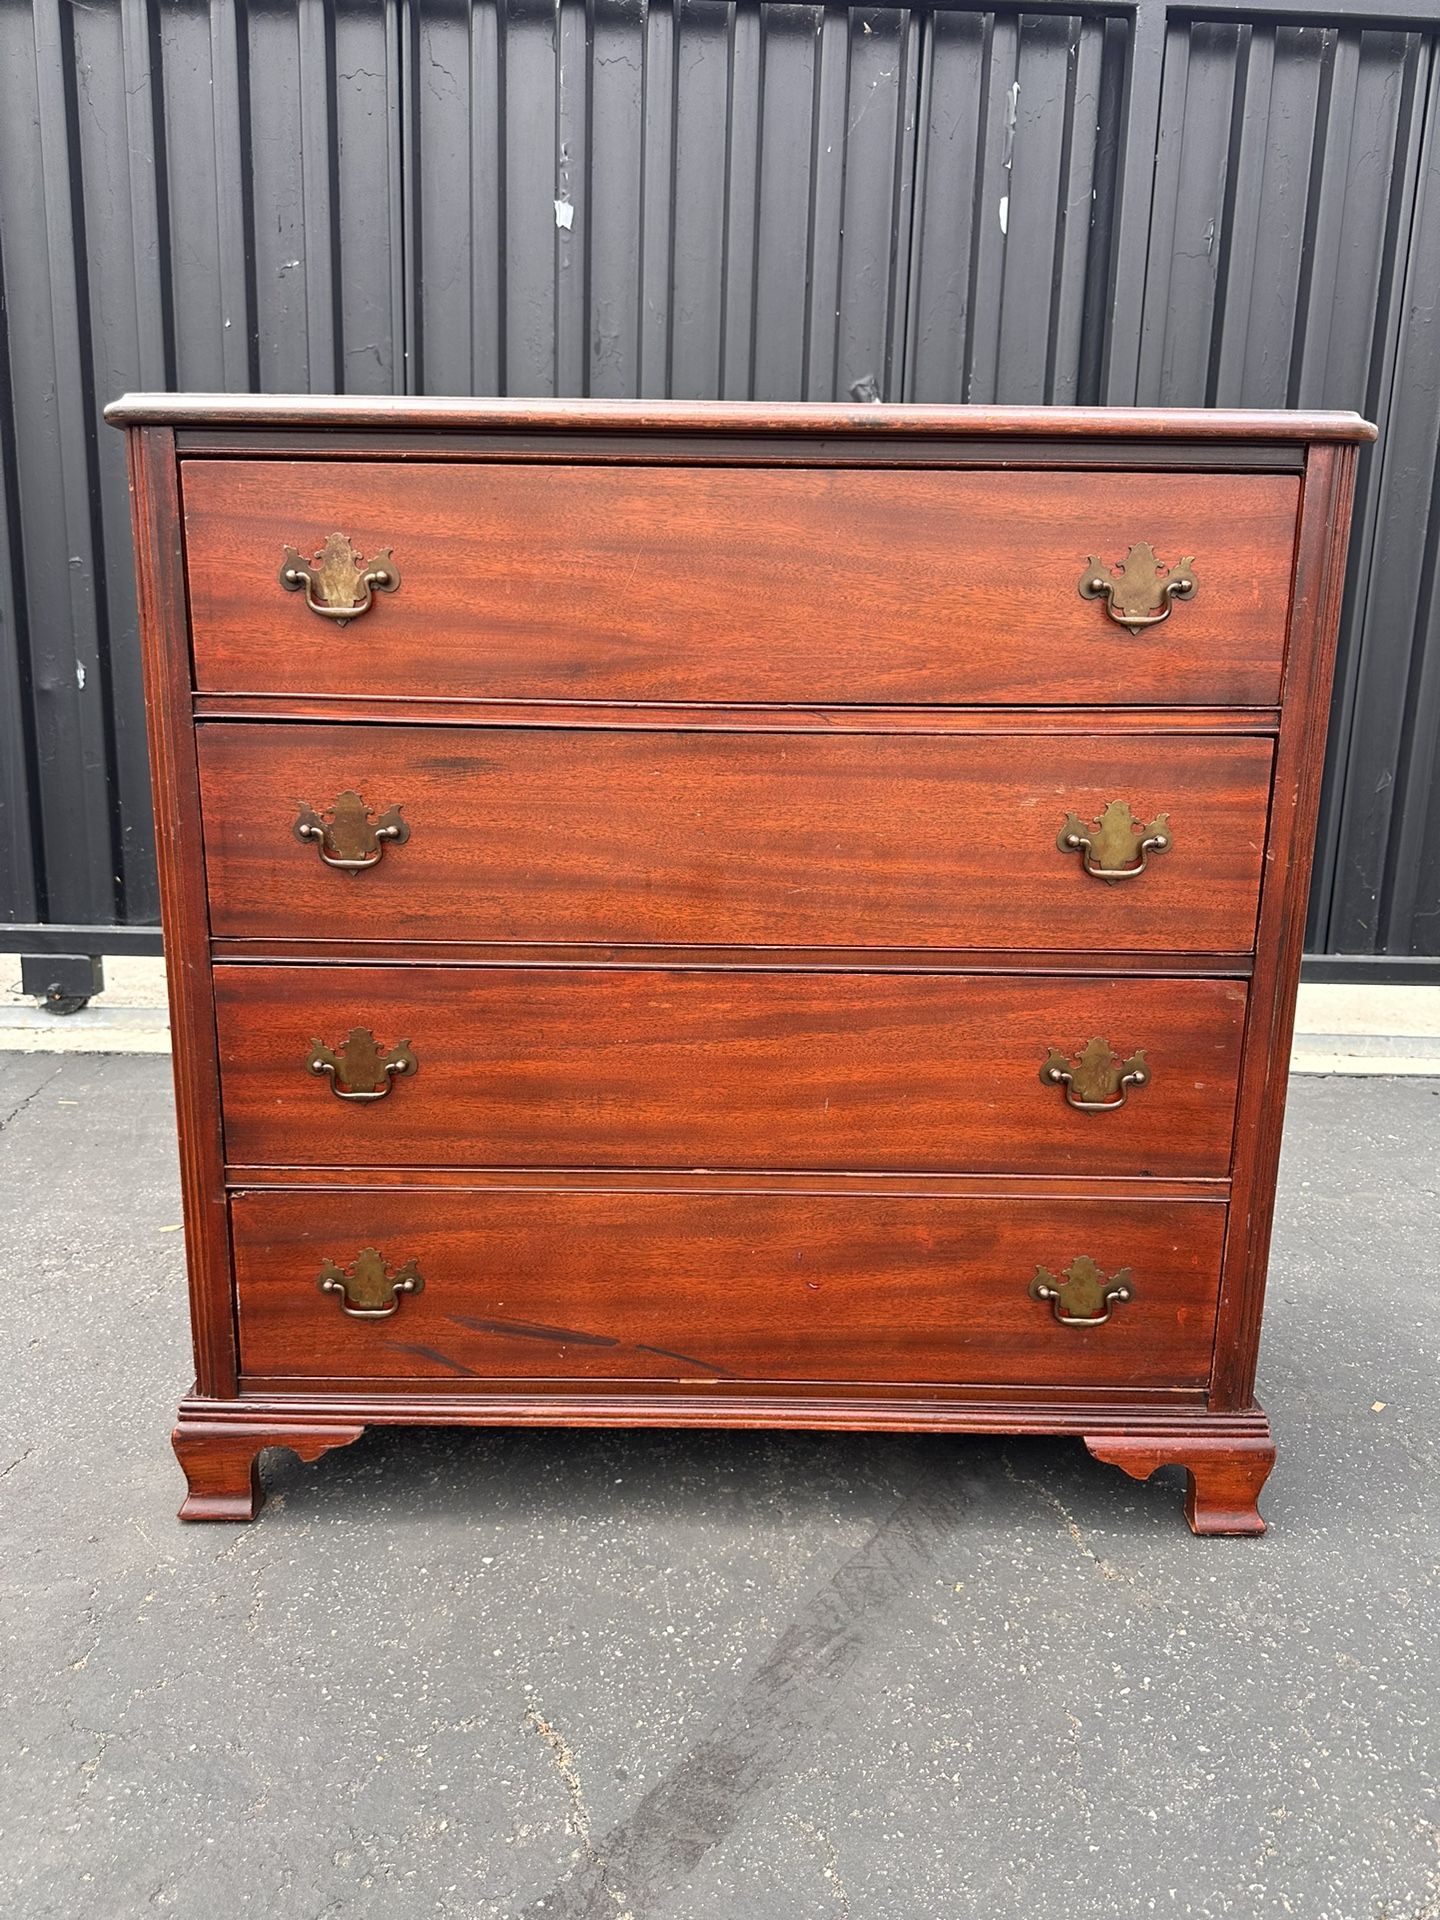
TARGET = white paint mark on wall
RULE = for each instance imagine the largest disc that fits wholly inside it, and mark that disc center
(564, 215)
(1004, 213)
(80, 675)
(1012, 114)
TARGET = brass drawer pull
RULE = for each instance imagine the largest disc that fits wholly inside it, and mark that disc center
(1142, 592)
(1097, 1080)
(367, 1289)
(338, 584)
(1115, 846)
(1084, 1297)
(346, 837)
(356, 1070)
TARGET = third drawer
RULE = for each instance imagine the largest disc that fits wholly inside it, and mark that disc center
(720, 1068)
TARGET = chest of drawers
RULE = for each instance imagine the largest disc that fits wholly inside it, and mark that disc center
(733, 915)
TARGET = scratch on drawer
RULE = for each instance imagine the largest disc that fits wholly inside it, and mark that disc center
(429, 1353)
(534, 1330)
(566, 1336)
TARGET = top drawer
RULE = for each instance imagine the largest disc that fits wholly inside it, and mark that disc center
(836, 586)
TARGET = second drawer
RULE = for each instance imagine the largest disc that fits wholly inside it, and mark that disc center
(596, 1067)
(812, 839)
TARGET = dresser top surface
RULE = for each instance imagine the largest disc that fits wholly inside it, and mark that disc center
(395, 411)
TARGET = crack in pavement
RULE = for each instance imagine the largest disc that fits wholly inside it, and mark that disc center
(782, 1706)
(34, 1094)
(832, 1863)
(565, 1766)
(1107, 1568)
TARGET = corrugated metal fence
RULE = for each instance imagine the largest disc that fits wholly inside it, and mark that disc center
(1224, 205)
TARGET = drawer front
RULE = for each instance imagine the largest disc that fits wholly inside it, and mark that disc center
(544, 1067)
(724, 584)
(628, 838)
(592, 1285)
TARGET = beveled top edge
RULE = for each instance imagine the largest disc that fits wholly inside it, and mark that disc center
(736, 416)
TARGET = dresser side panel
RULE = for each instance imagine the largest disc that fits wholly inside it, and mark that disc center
(1326, 498)
(184, 911)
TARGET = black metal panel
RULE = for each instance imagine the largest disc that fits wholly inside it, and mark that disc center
(1020, 118)
(1227, 204)
(1295, 260)
(114, 175)
(1383, 817)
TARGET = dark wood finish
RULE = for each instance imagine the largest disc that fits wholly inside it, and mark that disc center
(634, 583)
(1224, 1473)
(995, 1186)
(160, 586)
(537, 1067)
(663, 446)
(657, 717)
(710, 420)
(218, 1441)
(1141, 1413)
(1309, 667)
(221, 1460)
(715, 838)
(734, 741)
(459, 953)
(712, 1286)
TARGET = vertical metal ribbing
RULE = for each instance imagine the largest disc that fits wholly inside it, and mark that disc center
(1368, 321)
(52, 374)
(22, 882)
(360, 195)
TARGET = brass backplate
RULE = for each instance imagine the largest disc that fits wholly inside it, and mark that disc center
(1114, 846)
(339, 582)
(1085, 1295)
(358, 1069)
(1096, 1077)
(367, 1288)
(1139, 592)
(349, 834)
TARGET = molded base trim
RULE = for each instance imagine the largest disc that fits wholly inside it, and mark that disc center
(1228, 1456)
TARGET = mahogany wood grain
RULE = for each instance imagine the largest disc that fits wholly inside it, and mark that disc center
(1141, 1413)
(218, 1442)
(480, 953)
(706, 583)
(658, 717)
(716, 419)
(991, 1186)
(1224, 1472)
(1300, 757)
(160, 587)
(734, 740)
(537, 1067)
(726, 839)
(221, 1460)
(626, 1286)
(671, 446)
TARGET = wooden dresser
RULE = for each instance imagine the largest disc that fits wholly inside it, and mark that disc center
(733, 915)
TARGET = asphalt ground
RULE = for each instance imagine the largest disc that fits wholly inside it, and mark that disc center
(711, 1677)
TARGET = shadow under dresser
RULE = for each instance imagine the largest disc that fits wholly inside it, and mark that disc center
(726, 914)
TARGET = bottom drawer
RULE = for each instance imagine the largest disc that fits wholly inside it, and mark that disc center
(566, 1283)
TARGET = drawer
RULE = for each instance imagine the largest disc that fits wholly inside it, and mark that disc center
(814, 840)
(583, 1067)
(570, 1284)
(835, 585)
